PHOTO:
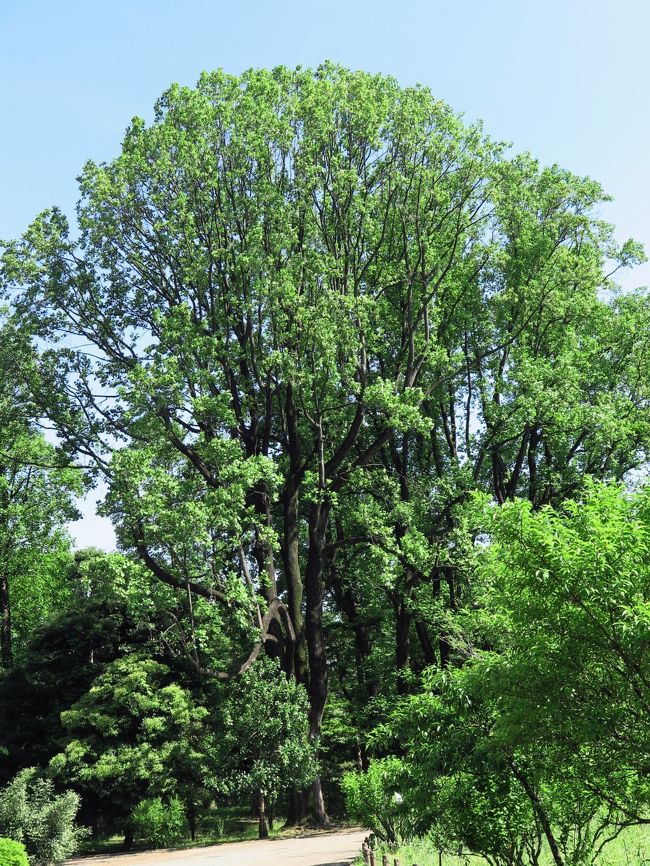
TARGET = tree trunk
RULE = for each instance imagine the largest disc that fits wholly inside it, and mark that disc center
(5, 623)
(402, 645)
(129, 839)
(428, 650)
(296, 808)
(318, 675)
(297, 666)
(190, 814)
(291, 561)
(318, 803)
(263, 830)
(270, 815)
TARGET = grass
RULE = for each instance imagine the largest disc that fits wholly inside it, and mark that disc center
(631, 848)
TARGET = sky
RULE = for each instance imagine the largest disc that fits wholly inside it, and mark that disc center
(568, 81)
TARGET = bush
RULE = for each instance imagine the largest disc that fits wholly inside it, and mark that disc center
(12, 853)
(159, 823)
(32, 813)
(374, 800)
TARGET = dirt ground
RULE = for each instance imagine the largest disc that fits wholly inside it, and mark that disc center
(324, 849)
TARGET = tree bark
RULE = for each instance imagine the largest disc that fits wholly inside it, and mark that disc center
(318, 674)
(402, 645)
(263, 830)
(296, 807)
(291, 561)
(318, 803)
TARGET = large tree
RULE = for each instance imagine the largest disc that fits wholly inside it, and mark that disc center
(316, 310)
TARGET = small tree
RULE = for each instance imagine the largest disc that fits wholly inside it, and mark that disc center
(32, 813)
(375, 800)
(264, 746)
(135, 735)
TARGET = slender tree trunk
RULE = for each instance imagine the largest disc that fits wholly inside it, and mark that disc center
(291, 561)
(318, 675)
(263, 830)
(6, 651)
(428, 650)
(296, 808)
(346, 603)
(191, 820)
(270, 815)
(540, 812)
(291, 542)
(402, 645)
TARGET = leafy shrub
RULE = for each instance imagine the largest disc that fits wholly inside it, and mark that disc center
(158, 822)
(12, 853)
(374, 800)
(32, 813)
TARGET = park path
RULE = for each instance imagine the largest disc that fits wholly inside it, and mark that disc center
(323, 849)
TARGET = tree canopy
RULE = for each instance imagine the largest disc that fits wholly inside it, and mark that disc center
(304, 316)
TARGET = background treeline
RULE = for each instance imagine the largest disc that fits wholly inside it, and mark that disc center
(356, 379)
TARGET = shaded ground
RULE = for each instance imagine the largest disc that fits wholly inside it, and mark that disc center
(324, 849)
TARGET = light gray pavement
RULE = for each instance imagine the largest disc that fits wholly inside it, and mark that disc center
(324, 849)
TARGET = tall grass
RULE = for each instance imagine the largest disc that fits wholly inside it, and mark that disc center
(631, 848)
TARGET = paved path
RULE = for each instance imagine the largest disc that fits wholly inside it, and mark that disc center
(324, 849)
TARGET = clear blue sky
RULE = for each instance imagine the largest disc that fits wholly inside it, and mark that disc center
(569, 81)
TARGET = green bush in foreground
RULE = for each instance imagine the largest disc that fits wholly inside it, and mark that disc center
(12, 853)
(43, 821)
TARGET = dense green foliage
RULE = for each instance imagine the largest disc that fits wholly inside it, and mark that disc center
(37, 491)
(136, 733)
(159, 823)
(31, 812)
(308, 321)
(264, 747)
(541, 736)
(12, 853)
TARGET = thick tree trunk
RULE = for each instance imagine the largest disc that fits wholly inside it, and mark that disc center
(6, 651)
(129, 839)
(318, 803)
